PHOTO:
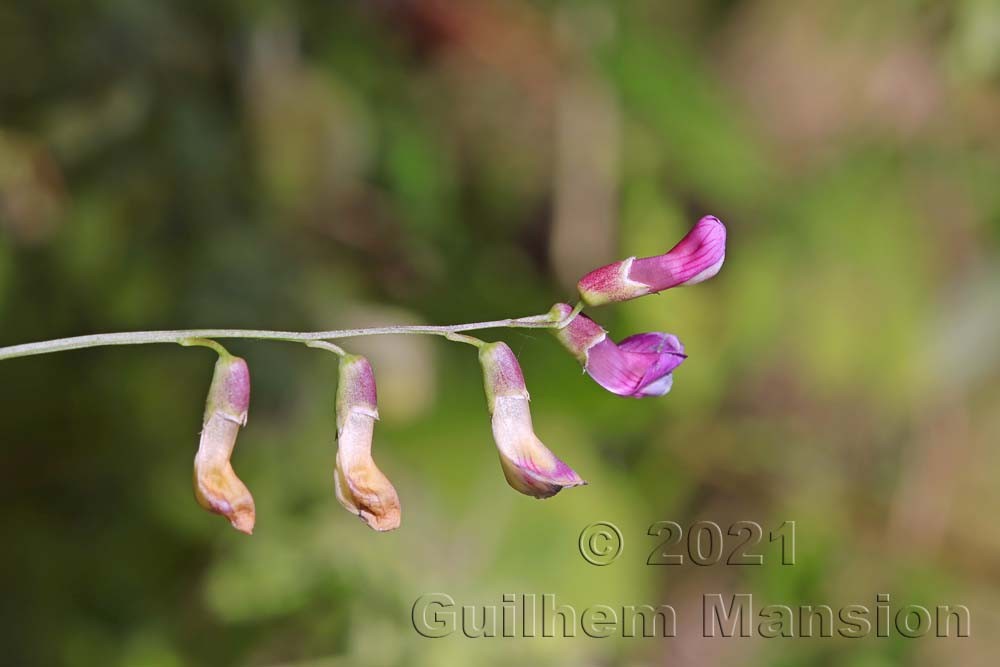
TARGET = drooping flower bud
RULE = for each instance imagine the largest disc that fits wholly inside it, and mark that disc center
(639, 366)
(361, 487)
(216, 486)
(527, 464)
(697, 257)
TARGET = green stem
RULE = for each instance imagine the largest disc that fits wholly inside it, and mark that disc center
(564, 322)
(329, 347)
(182, 335)
(461, 338)
(204, 342)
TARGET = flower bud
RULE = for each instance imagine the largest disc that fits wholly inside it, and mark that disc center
(639, 366)
(527, 464)
(360, 485)
(697, 257)
(216, 486)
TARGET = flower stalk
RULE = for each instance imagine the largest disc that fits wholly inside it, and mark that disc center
(639, 366)
(178, 336)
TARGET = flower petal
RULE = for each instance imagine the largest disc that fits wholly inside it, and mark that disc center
(614, 370)
(653, 342)
(696, 258)
(528, 465)
(668, 353)
(360, 486)
(656, 388)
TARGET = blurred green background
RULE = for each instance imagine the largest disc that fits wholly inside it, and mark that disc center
(312, 165)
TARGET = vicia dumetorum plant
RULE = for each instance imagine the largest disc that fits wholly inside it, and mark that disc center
(639, 366)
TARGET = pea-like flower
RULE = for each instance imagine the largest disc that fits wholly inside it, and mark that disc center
(639, 366)
(697, 257)
(216, 486)
(527, 464)
(360, 485)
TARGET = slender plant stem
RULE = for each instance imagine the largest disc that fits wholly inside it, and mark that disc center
(325, 345)
(205, 342)
(562, 324)
(462, 338)
(181, 335)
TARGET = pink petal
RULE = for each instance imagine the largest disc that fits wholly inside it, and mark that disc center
(697, 257)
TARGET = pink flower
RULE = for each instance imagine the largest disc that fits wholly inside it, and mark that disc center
(697, 257)
(527, 464)
(216, 486)
(639, 366)
(361, 487)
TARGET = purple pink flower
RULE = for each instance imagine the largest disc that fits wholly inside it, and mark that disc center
(529, 466)
(697, 257)
(216, 486)
(639, 366)
(360, 486)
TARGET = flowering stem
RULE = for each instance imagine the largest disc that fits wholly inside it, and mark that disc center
(185, 336)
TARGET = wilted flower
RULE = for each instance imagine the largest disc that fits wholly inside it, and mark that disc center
(527, 464)
(216, 486)
(697, 257)
(361, 487)
(639, 366)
